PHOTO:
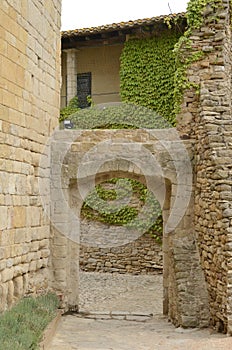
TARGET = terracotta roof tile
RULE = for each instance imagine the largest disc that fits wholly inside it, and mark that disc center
(120, 26)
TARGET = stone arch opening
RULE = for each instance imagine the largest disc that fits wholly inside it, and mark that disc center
(185, 295)
(120, 243)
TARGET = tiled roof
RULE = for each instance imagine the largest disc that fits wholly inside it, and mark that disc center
(121, 25)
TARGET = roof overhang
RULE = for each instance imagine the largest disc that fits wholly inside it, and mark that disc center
(119, 32)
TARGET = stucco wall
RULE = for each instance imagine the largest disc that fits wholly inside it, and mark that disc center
(29, 101)
(103, 62)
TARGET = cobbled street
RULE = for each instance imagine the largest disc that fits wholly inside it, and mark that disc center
(116, 315)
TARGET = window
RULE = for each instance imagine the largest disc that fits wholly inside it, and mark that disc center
(83, 89)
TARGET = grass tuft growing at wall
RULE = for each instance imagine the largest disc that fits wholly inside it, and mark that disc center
(21, 328)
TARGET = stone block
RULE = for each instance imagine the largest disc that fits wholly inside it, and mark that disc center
(60, 275)
(18, 286)
(3, 296)
(4, 217)
(7, 274)
(32, 266)
(19, 236)
(18, 217)
(10, 295)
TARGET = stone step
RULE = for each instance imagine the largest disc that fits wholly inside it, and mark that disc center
(115, 315)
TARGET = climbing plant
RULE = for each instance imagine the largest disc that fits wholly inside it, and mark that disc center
(195, 11)
(147, 73)
(99, 205)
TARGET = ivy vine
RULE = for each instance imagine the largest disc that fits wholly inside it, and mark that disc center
(95, 209)
(147, 73)
(195, 11)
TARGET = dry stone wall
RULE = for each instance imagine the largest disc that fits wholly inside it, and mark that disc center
(29, 110)
(209, 123)
(142, 256)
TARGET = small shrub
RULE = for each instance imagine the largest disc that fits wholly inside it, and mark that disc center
(72, 107)
(119, 116)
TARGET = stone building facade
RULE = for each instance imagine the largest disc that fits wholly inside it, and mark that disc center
(29, 110)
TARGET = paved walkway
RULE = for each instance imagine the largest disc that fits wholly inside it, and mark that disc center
(120, 308)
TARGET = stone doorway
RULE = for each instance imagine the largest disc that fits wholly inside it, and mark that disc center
(80, 159)
(118, 290)
(127, 277)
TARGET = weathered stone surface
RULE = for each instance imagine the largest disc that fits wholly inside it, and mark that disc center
(213, 181)
(145, 252)
(29, 111)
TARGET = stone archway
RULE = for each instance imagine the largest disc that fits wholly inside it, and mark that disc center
(82, 157)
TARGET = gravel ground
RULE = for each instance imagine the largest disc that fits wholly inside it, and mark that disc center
(118, 292)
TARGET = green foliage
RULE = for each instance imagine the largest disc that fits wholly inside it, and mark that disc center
(168, 21)
(89, 100)
(72, 107)
(99, 206)
(182, 63)
(21, 328)
(118, 116)
(195, 11)
(147, 74)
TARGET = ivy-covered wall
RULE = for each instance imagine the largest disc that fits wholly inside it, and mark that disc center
(147, 73)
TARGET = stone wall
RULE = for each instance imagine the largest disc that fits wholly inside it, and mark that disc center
(209, 123)
(29, 110)
(142, 256)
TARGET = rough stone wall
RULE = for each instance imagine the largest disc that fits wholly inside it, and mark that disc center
(209, 122)
(29, 110)
(142, 256)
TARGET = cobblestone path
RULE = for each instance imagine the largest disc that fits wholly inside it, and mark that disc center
(120, 307)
